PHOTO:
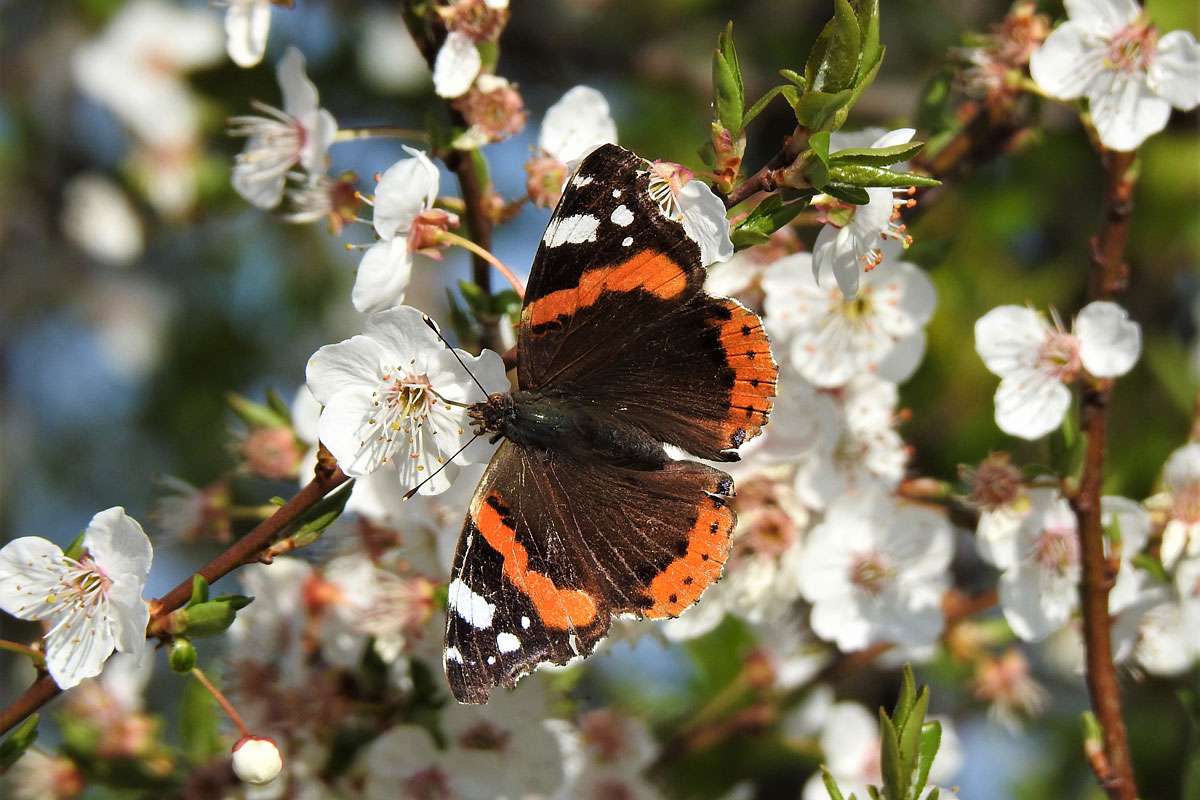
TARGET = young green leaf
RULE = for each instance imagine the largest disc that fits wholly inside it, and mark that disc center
(877, 156)
(767, 217)
(794, 77)
(729, 99)
(256, 415)
(931, 740)
(199, 590)
(833, 60)
(818, 111)
(20, 740)
(908, 696)
(847, 194)
(895, 774)
(862, 175)
(830, 785)
(910, 739)
(868, 26)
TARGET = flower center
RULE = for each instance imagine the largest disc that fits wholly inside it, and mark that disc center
(666, 182)
(858, 308)
(83, 587)
(1186, 505)
(1059, 356)
(1056, 550)
(401, 406)
(428, 784)
(870, 573)
(1132, 49)
(484, 736)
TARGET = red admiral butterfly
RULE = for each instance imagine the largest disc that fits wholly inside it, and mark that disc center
(581, 514)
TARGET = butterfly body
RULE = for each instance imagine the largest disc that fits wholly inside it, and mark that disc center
(581, 515)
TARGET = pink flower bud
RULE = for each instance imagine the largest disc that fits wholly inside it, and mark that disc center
(271, 452)
(256, 760)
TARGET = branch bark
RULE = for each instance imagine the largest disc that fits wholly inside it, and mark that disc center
(244, 551)
(1108, 277)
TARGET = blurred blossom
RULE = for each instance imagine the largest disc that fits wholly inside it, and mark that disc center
(167, 176)
(995, 65)
(1181, 484)
(279, 140)
(456, 66)
(692, 204)
(998, 491)
(270, 630)
(187, 513)
(130, 318)
(92, 603)
(98, 217)
(574, 126)
(1007, 684)
(604, 756)
(388, 58)
(494, 110)
(1040, 591)
(385, 395)
(850, 745)
(1037, 360)
(271, 453)
(875, 570)
(742, 275)
(830, 337)
(136, 67)
(37, 776)
(1107, 52)
(247, 23)
(849, 242)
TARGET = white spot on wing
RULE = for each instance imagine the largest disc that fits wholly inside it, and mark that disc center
(474, 609)
(579, 181)
(491, 659)
(525, 623)
(452, 654)
(628, 240)
(622, 215)
(616, 192)
(507, 642)
(571, 230)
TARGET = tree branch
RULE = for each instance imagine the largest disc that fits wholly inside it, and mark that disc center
(766, 179)
(244, 551)
(1108, 276)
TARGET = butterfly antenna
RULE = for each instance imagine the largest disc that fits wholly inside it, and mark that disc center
(408, 495)
(433, 326)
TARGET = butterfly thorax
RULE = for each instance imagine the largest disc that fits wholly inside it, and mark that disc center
(559, 423)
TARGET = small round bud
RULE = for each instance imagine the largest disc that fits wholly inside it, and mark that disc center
(182, 656)
(256, 760)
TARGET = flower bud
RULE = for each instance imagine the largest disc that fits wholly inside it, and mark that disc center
(256, 760)
(271, 453)
(182, 655)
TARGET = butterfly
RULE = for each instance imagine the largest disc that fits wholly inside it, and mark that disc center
(581, 514)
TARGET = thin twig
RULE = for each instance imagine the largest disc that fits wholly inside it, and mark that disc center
(222, 701)
(767, 178)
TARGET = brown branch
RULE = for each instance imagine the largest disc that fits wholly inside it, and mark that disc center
(1108, 276)
(244, 551)
(767, 178)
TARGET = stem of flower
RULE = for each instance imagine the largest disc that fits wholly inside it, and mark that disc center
(39, 659)
(222, 701)
(382, 132)
(454, 239)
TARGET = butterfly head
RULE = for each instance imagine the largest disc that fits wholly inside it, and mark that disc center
(493, 415)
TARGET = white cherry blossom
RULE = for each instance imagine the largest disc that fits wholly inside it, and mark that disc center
(278, 140)
(247, 23)
(1037, 359)
(395, 398)
(848, 248)
(692, 203)
(576, 124)
(1181, 479)
(405, 191)
(1131, 76)
(830, 337)
(98, 216)
(875, 570)
(456, 66)
(271, 630)
(605, 755)
(92, 604)
(1040, 592)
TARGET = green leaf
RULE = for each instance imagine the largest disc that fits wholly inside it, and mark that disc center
(868, 26)
(862, 175)
(211, 617)
(276, 403)
(75, 548)
(891, 764)
(830, 785)
(199, 590)
(847, 194)
(198, 720)
(794, 77)
(1151, 565)
(767, 217)
(833, 60)
(817, 111)
(908, 696)
(931, 740)
(729, 99)
(314, 522)
(910, 741)
(878, 156)
(12, 748)
(256, 415)
(761, 104)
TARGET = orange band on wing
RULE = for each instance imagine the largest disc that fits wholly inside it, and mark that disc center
(648, 270)
(748, 352)
(558, 608)
(686, 578)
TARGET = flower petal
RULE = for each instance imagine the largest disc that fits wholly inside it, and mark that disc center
(30, 570)
(409, 187)
(405, 337)
(893, 138)
(299, 93)
(118, 545)
(246, 25)
(456, 66)
(1175, 71)
(320, 131)
(346, 428)
(78, 647)
(1009, 338)
(1133, 519)
(130, 615)
(1034, 610)
(1102, 17)
(262, 188)
(1068, 61)
(353, 362)
(382, 276)
(1125, 110)
(834, 251)
(705, 222)
(578, 122)
(1109, 342)
(1030, 404)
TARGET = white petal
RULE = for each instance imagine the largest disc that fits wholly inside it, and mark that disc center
(849, 738)
(345, 428)
(996, 536)
(261, 188)
(834, 251)
(382, 276)
(404, 335)
(409, 187)
(78, 648)
(1102, 17)
(1175, 71)
(1109, 342)
(246, 25)
(1133, 520)
(320, 131)
(902, 359)
(893, 138)
(578, 122)
(118, 545)
(1030, 404)
(1183, 468)
(705, 222)
(299, 93)
(1067, 62)
(456, 65)
(1174, 541)
(305, 412)
(130, 615)
(1009, 338)
(353, 362)
(1034, 611)
(1125, 110)
(30, 570)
